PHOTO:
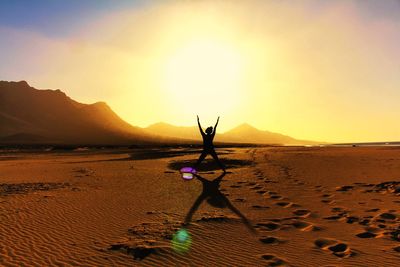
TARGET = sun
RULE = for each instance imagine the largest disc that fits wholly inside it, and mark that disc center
(204, 76)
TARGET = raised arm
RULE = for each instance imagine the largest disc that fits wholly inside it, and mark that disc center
(198, 123)
(215, 127)
(201, 179)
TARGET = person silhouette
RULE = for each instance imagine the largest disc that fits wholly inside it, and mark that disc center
(212, 194)
(208, 146)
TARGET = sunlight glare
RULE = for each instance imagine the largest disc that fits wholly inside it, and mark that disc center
(204, 74)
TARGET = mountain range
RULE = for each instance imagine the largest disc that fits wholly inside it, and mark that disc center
(244, 133)
(33, 116)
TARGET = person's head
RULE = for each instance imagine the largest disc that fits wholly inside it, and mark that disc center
(209, 130)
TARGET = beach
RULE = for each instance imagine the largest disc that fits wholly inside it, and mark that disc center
(306, 206)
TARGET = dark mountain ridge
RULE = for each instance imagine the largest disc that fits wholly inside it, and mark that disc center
(52, 117)
(244, 133)
(33, 116)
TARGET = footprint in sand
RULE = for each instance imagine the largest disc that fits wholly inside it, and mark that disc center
(327, 198)
(261, 192)
(352, 219)
(393, 234)
(338, 209)
(328, 201)
(302, 213)
(372, 210)
(305, 226)
(364, 222)
(257, 187)
(324, 242)
(344, 188)
(270, 226)
(334, 218)
(273, 260)
(270, 240)
(366, 235)
(284, 204)
(388, 216)
(337, 248)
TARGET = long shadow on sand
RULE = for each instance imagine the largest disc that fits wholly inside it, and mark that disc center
(149, 238)
(154, 153)
(157, 153)
(212, 194)
(209, 164)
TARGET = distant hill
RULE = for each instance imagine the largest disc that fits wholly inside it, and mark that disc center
(243, 133)
(29, 115)
(32, 116)
(246, 133)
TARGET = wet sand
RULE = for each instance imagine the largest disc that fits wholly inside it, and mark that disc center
(309, 206)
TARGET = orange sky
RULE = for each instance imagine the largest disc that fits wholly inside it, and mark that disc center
(311, 69)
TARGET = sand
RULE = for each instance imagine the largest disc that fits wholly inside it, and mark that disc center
(307, 206)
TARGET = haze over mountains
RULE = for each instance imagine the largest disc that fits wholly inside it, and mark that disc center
(32, 116)
(244, 133)
(28, 115)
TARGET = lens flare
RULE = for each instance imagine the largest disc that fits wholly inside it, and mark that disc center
(187, 173)
(181, 241)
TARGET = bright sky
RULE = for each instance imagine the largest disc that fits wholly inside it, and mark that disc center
(316, 70)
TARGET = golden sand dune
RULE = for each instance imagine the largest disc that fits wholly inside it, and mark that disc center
(305, 207)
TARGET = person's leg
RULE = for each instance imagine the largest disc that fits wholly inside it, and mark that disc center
(201, 158)
(215, 156)
(193, 209)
